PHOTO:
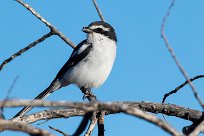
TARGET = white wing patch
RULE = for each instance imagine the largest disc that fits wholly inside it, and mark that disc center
(81, 49)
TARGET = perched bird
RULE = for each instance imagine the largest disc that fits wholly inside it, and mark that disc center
(89, 64)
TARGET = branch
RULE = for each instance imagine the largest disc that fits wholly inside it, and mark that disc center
(7, 96)
(64, 134)
(15, 126)
(92, 107)
(92, 124)
(53, 31)
(142, 115)
(163, 35)
(181, 86)
(101, 123)
(49, 114)
(194, 116)
(52, 28)
(41, 39)
(167, 109)
(98, 10)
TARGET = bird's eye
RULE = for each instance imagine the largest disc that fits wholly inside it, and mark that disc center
(99, 29)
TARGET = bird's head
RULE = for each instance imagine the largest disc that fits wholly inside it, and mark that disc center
(100, 29)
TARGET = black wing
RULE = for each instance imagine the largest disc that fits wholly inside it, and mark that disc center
(74, 58)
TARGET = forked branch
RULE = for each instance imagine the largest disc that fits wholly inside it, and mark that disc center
(170, 49)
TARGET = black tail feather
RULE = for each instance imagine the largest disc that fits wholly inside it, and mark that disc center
(42, 95)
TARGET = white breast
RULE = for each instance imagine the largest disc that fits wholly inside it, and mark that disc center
(94, 71)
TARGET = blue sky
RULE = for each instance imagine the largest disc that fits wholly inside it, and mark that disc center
(143, 71)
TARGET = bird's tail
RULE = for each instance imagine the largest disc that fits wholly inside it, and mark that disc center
(42, 95)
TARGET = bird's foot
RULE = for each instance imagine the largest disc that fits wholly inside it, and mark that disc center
(88, 94)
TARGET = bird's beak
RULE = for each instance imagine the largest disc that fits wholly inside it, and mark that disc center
(86, 30)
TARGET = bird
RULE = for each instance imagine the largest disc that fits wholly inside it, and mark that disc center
(90, 63)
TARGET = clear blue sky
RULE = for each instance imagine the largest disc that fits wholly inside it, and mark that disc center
(143, 71)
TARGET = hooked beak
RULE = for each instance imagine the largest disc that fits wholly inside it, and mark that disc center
(86, 30)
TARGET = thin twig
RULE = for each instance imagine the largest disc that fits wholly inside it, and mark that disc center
(7, 96)
(52, 28)
(11, 87)
(98, 10)
(64, 134)
(23, 127)
(53, 31)
(92, 124)
(41, 39)
(179, 87)
(163, 35)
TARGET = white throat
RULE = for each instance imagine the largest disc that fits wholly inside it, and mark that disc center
(98, 38)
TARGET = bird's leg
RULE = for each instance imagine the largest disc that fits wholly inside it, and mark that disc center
(88, 94)
(92, 98)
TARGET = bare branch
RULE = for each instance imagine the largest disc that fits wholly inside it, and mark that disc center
(53, 31)
(25, 49)
(49, 114)
(52, 28)
(91, 107)
(167, 109)
(163, 35)
(179, 87)
(101, 123)
(142, 115)
(15, 126)
(91, 125)
(64, 134)
(98, 10)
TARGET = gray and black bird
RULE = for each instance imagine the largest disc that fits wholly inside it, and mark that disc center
(89, 64)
